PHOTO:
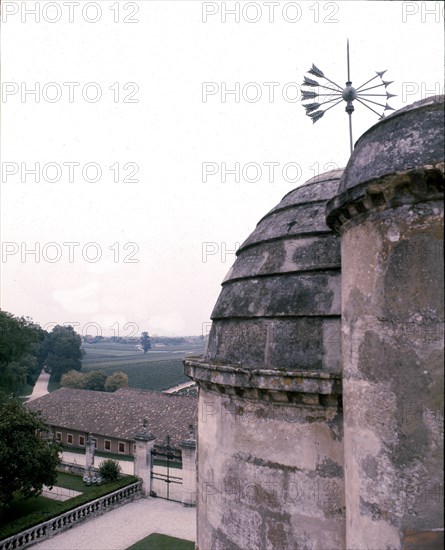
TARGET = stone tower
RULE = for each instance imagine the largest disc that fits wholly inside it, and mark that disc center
(270, 442)
(389, 213)
(283, 461)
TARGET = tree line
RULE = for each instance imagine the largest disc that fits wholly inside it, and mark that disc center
(21, 353)
(28, 460)
(26, 349)
(96, 380)
(28, 454)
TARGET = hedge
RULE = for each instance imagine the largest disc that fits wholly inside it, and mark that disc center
(26, 522)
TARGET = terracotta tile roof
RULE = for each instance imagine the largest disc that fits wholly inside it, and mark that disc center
(119, 414)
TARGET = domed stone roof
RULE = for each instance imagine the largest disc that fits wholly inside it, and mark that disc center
(402, 150)
(279, 307)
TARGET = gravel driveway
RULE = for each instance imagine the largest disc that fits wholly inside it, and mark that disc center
(41, 386)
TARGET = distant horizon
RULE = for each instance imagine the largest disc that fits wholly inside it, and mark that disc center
(51, 324)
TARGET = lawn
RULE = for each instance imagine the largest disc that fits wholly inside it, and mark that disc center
(23, 514)
(70, 481)
(21, 507)
(156, 541)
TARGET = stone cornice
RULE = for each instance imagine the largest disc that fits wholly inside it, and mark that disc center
(422, 184)
(305, 388)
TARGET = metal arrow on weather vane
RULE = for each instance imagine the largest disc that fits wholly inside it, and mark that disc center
(335, 94)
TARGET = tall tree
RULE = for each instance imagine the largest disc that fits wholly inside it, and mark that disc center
(20, 342)
(27, 460)
(145, 342)
(64, 353)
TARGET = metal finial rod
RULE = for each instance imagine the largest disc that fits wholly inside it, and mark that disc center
(347, 49)
(349, 110)
(318, 100)
(351, 146)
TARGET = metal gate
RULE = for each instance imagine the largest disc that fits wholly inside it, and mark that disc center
(166, 472)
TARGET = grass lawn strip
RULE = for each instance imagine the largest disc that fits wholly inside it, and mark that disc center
(155, 541)
(22, 514)
(69, 481)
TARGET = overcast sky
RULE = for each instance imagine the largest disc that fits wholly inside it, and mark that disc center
(149, 102)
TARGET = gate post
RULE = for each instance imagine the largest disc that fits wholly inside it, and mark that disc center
(188, 447)
(90, 448)
(142, 457)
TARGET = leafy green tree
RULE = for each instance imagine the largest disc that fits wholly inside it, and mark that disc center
(12, 379)
(110, 469)
(20, 342)
(27, 460)
(32, 363)
(115, 381)
(72, 379)
(64, 353)
(145, 342)
(94, 380)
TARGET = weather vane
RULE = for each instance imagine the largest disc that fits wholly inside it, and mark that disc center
(335, 94)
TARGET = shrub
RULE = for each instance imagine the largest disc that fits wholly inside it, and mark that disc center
(115, 381)
(72, 379)
(110, 470)
(95, 380)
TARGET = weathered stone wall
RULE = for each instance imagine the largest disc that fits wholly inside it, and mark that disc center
(189, 477)
(390, 215)
(272, 462)
(270, 475)
(270, 438)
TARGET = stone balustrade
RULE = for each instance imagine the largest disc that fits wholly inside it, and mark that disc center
(68, 519)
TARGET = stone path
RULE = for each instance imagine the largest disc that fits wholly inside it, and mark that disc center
(122, 527)
(41, 386)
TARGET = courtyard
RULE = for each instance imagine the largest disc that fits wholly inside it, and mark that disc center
(126, 525)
